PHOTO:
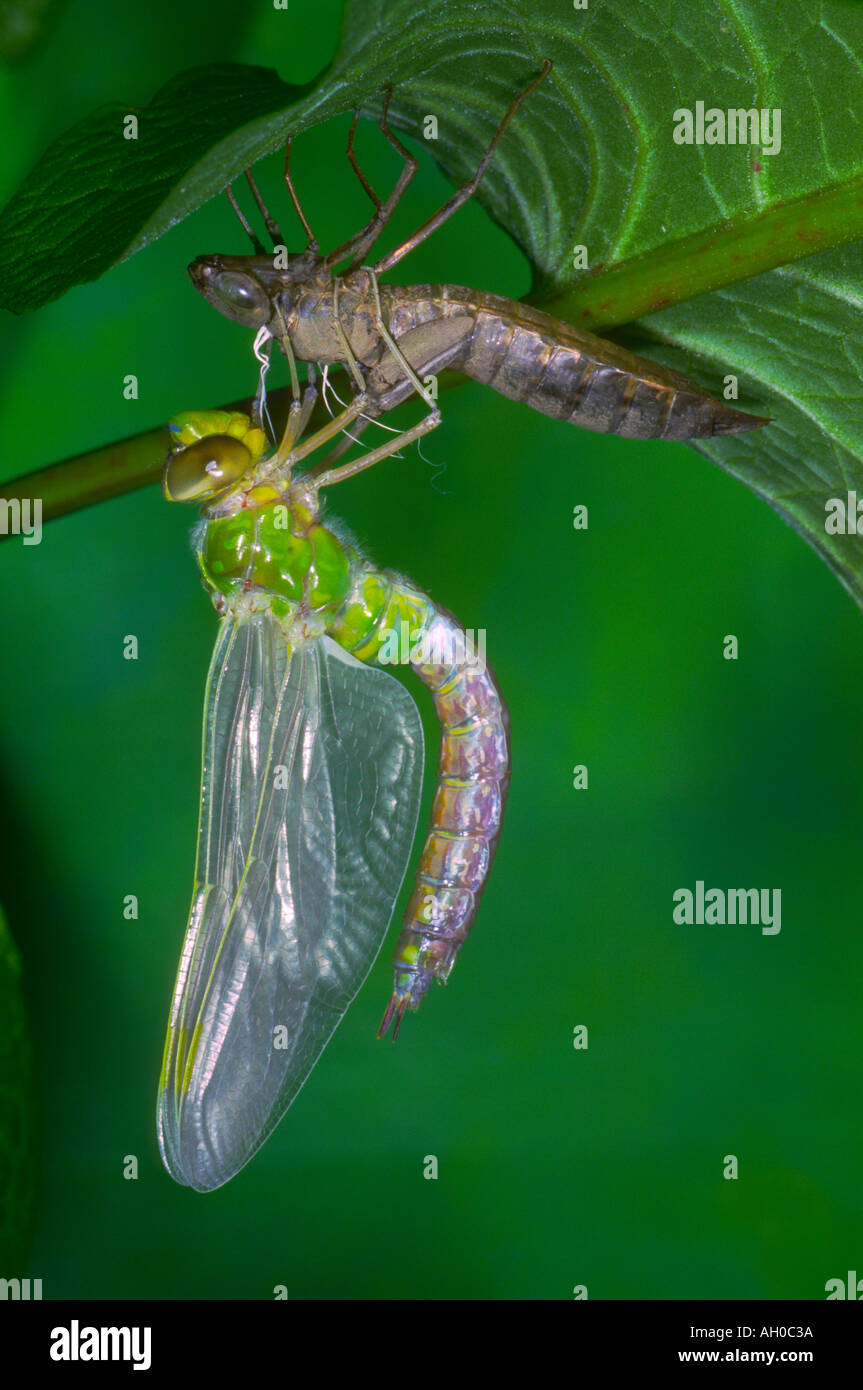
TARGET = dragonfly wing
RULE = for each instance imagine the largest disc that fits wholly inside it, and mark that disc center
(313, 768)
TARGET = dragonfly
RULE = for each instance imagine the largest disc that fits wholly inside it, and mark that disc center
(313, 753)
(312, 771)
(394, 339)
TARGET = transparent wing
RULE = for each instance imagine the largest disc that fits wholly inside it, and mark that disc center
(312, 770)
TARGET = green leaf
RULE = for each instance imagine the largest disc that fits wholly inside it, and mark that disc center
(795, 336)
(90, 199)
(590, 161)
(17, 1158)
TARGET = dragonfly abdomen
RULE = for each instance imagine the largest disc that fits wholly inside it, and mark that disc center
(387, 620)
(473, 776)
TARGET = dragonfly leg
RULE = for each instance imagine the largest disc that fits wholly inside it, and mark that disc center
(335, 426)
(260, 248)
(299, 413)
(312, 244)
(349, 437)
(298, 417)
(350, 359)
(395, 350)
(468, 189)
(352, 159)
(284, 339)
(329, 476)
(270, 222)
(283, 460)
(338, 475)
(358, 246)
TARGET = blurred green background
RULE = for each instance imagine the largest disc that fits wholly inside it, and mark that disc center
(557, 1167)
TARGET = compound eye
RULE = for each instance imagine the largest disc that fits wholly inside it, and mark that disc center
(242, 296)
(205, 467)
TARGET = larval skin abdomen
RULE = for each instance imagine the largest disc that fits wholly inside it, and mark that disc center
(562, 371)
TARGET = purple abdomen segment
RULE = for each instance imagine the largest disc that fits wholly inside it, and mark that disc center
(473, 774)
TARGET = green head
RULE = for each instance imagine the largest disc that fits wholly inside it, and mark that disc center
(212, 451)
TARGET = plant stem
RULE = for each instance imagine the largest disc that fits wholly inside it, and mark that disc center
(695, 265)
(110, 471)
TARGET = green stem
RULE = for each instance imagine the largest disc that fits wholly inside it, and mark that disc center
(93, 477)
(678, 271)
(695, 265)
(111, 471)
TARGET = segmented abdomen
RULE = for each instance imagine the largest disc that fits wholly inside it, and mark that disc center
(532, 357)
(383, 615)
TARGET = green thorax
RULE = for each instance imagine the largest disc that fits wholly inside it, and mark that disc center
(279, 555)
(262, 547)
(279, 547)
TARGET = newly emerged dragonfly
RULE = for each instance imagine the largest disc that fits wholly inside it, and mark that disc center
(312, 770)
(392, 338)
(312, 753)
